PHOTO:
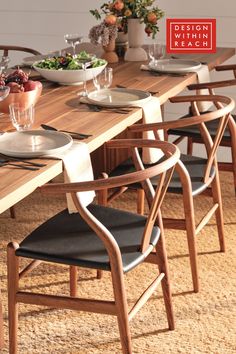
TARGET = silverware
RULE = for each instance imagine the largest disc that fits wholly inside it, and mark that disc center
(23, 167)
(74, 135)
(5, 158)
(151, 92)
(96, 108)
(202, 62)
(161, 73)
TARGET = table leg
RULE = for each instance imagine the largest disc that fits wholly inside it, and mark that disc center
(1, 325)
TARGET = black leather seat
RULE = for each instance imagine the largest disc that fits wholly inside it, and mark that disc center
(193, 131)
(67, 238)
(194, 165)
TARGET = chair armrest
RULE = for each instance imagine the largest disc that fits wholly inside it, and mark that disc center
(212, 85)
(225, 67)
(197, 119)
(170, 151)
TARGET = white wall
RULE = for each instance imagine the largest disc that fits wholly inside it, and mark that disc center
(42, 24)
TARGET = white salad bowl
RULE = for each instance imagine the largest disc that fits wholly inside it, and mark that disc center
(69, 77)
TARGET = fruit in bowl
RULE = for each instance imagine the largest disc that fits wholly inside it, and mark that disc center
(68, 69)
(22, 90)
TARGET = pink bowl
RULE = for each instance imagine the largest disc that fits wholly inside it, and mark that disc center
(24, 98)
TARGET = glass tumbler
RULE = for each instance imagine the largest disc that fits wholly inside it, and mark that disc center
(22, 117)
(104, 79)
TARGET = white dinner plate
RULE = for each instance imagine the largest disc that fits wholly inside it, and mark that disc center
(175, 65)
(118, 97)
(33, 143)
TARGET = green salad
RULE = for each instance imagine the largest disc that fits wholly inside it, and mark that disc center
(68, 62)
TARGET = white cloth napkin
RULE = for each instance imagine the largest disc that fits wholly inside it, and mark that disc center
(203, 75)
(152, 114)
(77, 168)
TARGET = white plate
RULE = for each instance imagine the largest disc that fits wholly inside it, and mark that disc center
(33, 143)
(118, 97)
(175, 65)
(29, 61)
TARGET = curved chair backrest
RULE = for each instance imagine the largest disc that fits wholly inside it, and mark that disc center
(142, 175)
(223, 106)
(7, 48)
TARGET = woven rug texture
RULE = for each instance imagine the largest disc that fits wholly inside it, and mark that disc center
(205, 322)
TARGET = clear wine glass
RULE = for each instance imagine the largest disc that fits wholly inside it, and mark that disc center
(156, 51)
(85, 63)
(104, 79)
(4, 92)
(73, 40)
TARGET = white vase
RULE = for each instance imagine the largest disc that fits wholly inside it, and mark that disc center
(136, 32)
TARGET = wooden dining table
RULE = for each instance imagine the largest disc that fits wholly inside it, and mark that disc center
(59, 106)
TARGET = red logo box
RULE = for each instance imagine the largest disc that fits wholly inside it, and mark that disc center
(190, 35)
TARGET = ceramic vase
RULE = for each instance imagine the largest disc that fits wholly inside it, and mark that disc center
(136, 33)
(109, 52)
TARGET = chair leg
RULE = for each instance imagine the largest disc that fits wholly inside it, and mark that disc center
(122, 311)
(233, 154)
(140, 201)
(13, 212)
(190, 146)
(13, 285)
(1, 325)
(216, 194)
(165, 283)
(73, 281)
(191, 236)
(99, 274)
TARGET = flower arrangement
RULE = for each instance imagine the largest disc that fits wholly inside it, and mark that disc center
(104, 32)
(117, 12)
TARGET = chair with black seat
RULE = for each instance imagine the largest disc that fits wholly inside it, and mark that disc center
(100, 237)
(193, 134)
(192, 176)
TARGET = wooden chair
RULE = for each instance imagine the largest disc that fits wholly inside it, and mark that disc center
(229, 138)
(192, 176)
(101, 238)
(8, 48)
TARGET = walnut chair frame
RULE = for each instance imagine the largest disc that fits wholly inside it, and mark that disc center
(147, 247)
(8, 48)
(193, 134)
(181, 183)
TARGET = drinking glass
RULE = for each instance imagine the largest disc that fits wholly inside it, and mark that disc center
(4, 92)
(22, 117)
(85, 63)
(4, 61)
(156, 51)
(104, 79)
(73, 40)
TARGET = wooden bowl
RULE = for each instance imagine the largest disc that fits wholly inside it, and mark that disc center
(24, 98)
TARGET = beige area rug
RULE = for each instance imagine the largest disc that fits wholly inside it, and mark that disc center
(205, 322)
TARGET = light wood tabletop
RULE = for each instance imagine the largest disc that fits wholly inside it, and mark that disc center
(59, 106)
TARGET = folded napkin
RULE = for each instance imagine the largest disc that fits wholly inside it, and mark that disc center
(152, 114)
(203, 75)
(77, 168)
